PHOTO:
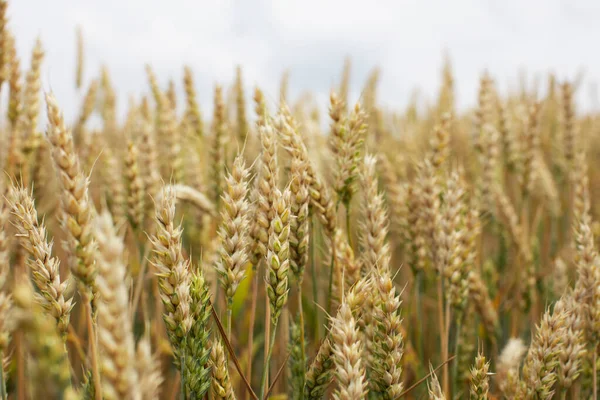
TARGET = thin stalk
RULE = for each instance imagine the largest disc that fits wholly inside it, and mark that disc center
(563, 394)
(73, 338)
(524, 219)
(302, 344)
(251, 324)
(445, 352)
(313, 274)
(176, 387)
(347, 206)
(2, 383)
(456, 349)
(229, 314)
(21, 387)
(569, 214)
(158, 331)
(268, 339)
(182, 392)
(265, 375)
(217, 301)
(140, 279)
(576, 389)
(230, 350)
(330, 290)
(331, 266)
(442, 325)
(281, 349)
(93, 350)
(20, 271)
(595, 372)
(419, 306)
(423, 379)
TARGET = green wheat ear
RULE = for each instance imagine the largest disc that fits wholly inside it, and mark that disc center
(198, 347)
(296, 367)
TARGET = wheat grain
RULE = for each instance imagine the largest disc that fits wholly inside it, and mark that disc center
(44, 267)
(115, 332)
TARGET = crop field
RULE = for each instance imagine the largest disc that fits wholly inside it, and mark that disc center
(279, 248)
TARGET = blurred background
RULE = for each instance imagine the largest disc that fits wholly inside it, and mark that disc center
(311, 39)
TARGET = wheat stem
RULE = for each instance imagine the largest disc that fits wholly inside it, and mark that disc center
(251, 325)
(330, 290)
(268, 340)
(313, 275)
(455, 381)
(2, 383)
(229, 315)
(265, 375)
(349, 232)
(443, 336)
(595, 372)
(302, 339)
(419, 306)
(93, 348)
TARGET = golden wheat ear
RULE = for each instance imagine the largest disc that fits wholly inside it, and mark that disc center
(347, 355)
(572, 355)
(77, 207)
(115, 332)
(480, 384)
(172, 270)
(388, 346)
(135, 186)
(45, 268)
(234, 233)
(221, 384)
(539, 368)
(435, 390)
(376, 253)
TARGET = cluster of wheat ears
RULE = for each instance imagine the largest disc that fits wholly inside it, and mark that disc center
(393, 254)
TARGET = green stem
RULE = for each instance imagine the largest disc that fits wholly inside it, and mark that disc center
(142, 262)
(330, 290)
(229, 314)
(347, 206)
(2, 383)
(302, 344)
(595, 372)
(87, 300)
(182, 373)
(251, 323)
(442, 315)
(419, 304)
(263, 385)
(455, 362)
(563, 394)
(331, 266)
(217, 299)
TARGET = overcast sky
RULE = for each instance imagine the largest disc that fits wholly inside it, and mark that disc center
(311, 38)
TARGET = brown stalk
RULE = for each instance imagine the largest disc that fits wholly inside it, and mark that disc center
(231, 352)
(74, 338)
(140, 281)
(277, 375)
(423, 379)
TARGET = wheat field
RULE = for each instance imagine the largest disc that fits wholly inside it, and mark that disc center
(285, 249)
